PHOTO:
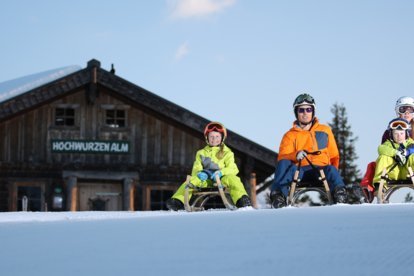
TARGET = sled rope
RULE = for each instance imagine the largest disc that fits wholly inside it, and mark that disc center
(322, 175)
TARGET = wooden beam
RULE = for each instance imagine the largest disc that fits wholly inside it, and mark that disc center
(74, 199)
(128, 194)
(72, 193)
(147, 198)
(253, 189)
(132, 198)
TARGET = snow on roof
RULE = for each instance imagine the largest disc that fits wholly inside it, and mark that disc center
(16, 87)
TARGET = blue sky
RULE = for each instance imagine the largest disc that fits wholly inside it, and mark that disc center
(240, 62)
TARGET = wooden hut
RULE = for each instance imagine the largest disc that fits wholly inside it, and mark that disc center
(94, 141)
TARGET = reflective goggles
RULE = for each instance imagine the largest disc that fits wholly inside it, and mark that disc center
(400, 125)
(215, 127)
(405, 108)
(304, 98)
(303, 109)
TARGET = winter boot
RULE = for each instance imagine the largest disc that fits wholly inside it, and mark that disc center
(340, 195)
(174, 204)
(278, 200)
(369, 195)
(355, 194)
(244, 201)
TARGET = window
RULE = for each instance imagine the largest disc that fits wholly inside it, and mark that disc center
(29, 199)
(64, 116)
(28, 195)
(115, 118)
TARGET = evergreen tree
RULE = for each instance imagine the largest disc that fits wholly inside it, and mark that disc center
(346, 144)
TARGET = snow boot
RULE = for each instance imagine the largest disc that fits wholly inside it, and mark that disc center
(355, 194)
(369, 195)
(278, 200)
(340, 195)
(244, 201)
(174, 204)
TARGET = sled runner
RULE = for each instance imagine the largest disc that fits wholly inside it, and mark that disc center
(385, 191)
(297, 188)
(200, 196)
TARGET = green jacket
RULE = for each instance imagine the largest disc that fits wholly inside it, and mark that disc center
(388, 148)
(206, 159)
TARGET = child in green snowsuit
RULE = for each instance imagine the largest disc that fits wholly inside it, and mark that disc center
(214, 159)
(399, 148)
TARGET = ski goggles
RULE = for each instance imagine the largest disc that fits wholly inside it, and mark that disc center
(405, 108)
(400, 125)
(303, 109)
(304, 98)
(215, 127)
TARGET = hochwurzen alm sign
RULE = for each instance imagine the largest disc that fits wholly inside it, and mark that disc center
(86, 146)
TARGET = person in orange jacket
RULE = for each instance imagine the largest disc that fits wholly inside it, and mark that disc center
(307, 135)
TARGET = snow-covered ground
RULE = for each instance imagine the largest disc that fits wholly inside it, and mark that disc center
(332, 240)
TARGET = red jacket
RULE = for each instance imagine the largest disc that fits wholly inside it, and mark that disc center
(318, 138)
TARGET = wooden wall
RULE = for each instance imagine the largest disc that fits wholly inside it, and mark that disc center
(153, 141)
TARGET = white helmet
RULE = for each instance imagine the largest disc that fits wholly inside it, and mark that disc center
(403, 101)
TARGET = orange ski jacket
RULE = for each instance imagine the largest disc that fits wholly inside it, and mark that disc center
(318, 138)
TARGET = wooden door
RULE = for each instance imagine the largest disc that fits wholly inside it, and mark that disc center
(100, 197)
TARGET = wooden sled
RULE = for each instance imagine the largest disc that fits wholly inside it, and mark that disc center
(297, 188)
(385, 191)
(202, 195)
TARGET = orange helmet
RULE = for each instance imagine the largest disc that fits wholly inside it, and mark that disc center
(215, 126)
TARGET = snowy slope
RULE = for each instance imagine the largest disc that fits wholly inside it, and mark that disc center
(333, 240)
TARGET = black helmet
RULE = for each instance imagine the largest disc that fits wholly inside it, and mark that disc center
(304, 99)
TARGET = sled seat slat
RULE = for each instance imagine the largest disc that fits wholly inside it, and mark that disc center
(310, 184)
(400, 182)
(208, 189)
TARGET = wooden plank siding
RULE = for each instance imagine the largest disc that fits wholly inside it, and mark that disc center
(27, 138)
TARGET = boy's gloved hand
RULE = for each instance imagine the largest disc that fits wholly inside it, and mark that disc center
(219, 173)
(202, 175)
(300, 155)
(400, 158)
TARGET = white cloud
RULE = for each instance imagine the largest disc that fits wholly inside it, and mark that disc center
(182, 51)
(197, 8)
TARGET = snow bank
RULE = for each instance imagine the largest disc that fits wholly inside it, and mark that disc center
(332, 240)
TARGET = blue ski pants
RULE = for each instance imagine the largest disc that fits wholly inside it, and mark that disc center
(285, 171)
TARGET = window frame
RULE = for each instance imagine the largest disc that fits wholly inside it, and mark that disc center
(115, 108)
(65, 107)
